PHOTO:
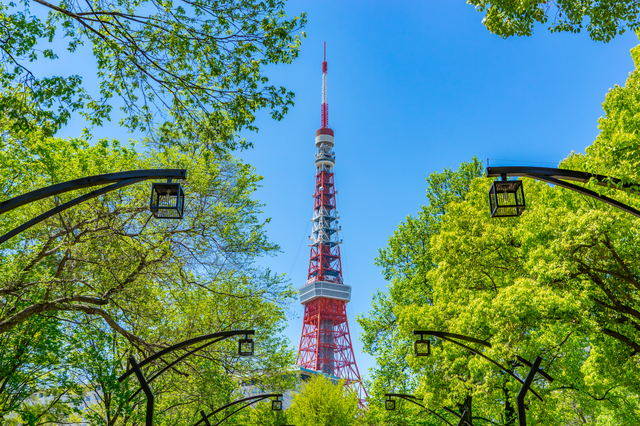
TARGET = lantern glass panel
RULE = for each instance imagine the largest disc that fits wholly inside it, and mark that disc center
(422, 348)
(276, 405)
(245, 347)
(506, 198)
(390, 405)
(167, 200)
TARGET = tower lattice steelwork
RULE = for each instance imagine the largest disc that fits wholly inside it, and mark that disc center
(325, 344)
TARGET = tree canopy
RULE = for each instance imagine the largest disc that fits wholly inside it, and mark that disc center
(192, 68)
(86, 288)
(560, 282)
(603, 19)
(323, 403)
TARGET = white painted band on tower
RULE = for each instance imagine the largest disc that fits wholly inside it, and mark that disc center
(319, 289)
(320, 139)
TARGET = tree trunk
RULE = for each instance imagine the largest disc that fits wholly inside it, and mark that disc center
(509, 410)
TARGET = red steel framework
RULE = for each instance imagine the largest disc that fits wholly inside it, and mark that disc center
(325, 343)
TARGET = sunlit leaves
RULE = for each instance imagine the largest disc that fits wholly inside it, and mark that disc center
(603, 19)
(198, 65)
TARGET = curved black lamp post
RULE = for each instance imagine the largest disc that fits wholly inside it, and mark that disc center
(167, 199)
(276, 405)
(245, 348)
(506, 198)
(526, 384)
(390, 405)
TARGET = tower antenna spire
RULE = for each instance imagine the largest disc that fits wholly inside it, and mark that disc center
(325, 102)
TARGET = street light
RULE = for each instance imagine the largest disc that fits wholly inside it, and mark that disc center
(526, 384)
(136, 368)
(167, 200)
(555, 177)
(506, 198)
(117, 181)
(276, 404)
(245, 346)
(390, 405)
(252, 400)
(418, 347)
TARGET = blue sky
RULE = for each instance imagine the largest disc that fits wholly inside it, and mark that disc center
(413, 88)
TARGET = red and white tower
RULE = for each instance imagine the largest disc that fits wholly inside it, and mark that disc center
(325, 344)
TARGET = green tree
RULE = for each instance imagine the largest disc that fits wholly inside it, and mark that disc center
(189, 67)
(405, 263)
(603, 19)
(321, 402)
(561, 282)
(83, 290)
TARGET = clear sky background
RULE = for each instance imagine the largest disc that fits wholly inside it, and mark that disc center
(414, 87)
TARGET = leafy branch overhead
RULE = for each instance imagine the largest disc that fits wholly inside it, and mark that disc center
(191, 67)
(603, 19)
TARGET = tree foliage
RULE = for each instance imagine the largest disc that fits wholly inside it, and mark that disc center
(323, 403)
(94, 284)
(191, 67)
(603, 19)
(561, 282)
(87, 288)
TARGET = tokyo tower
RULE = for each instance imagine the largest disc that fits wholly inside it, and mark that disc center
(325, 343)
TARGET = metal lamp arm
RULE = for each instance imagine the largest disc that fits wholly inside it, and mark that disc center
(553, 177)
(589, 193)
(504, 369)
(239, 409)
(449, 338)
(87, 182)
(220, 335)
(412, 399)
(171, 364)
(443, 334)
(258, 397)
(565, 174)
(144, 383)
(121, 180)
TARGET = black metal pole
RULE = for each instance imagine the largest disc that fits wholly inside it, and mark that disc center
(145, 387)
(467, 420)
(522, 415)
(205, 419)
(463, 419)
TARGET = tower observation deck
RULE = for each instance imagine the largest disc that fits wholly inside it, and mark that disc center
(325, 343)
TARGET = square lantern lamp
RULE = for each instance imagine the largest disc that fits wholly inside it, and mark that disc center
(506, 198)
(167, 200)
(245, 346)
(390, 404)
(276, 405)
(422, 347)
